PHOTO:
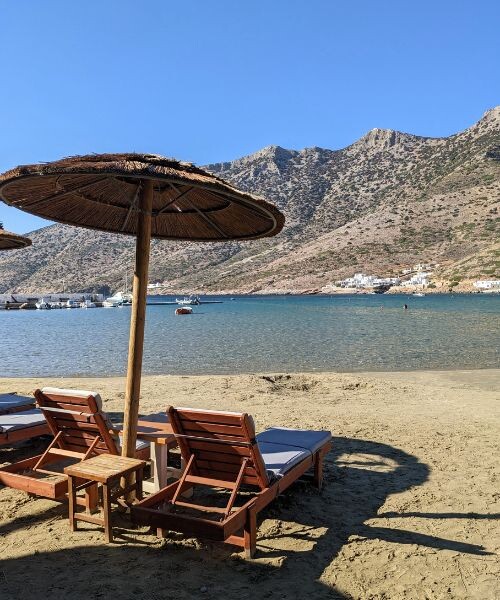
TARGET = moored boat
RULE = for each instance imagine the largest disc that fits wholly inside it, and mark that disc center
(119, 299)
(87, 304)
(42, 305)
(111, 303)
(191, 300)
(184, 310)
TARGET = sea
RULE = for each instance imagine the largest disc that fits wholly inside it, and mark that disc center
(271, 334)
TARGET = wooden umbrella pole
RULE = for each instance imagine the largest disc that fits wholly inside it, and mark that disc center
(137, 319)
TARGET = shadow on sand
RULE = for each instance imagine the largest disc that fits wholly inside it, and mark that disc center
(293, 552)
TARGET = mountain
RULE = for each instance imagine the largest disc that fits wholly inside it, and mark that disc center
(387, 201)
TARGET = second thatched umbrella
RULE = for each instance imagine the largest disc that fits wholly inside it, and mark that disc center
(12, 241)
(147, 196)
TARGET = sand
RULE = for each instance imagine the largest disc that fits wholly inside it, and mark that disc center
(409, 509)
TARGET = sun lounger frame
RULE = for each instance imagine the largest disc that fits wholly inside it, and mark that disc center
(22, 434)
(236, 526)
(85, 433)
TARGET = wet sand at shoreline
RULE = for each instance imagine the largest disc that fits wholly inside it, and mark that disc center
(409, 509)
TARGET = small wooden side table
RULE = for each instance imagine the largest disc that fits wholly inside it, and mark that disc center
(157, 430)
(106, 469)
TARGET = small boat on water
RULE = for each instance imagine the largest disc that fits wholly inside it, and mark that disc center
(119, 299)
(184, 310)
(111, 303)
(419, 294)
(72, 304)
(87, 304)
(126, 298)
(42, 305)
(191, 300)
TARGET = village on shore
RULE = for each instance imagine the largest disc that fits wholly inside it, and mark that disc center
(415, 279)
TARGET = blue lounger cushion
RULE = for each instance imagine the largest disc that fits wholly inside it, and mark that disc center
(19, 420)
(9, 401)
(300, 438)
(282, 448)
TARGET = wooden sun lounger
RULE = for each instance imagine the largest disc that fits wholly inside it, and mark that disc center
(11, 403)
(222, 451)
(80, 428)
(21, 425)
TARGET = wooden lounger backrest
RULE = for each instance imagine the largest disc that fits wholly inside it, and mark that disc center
(78, 418)
(219, 442)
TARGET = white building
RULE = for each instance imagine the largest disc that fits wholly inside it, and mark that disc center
(422, 267)
(421, 278)
(387, 281)
(487, 284)
(417, 268)
(360, 280)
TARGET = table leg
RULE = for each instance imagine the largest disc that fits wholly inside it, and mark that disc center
(71, 503)
(159, 456)
(91, 498)
(106, 501)
(138, 484)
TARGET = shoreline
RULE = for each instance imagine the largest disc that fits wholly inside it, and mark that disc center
(268, 373)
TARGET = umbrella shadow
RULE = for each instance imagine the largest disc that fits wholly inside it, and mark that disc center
(300, 535)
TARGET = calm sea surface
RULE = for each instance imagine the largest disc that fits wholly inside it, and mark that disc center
(248, 334)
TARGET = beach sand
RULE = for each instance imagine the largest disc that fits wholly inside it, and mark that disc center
(409, 509)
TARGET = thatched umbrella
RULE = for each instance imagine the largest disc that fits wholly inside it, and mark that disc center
(12, 241)
(143, 195)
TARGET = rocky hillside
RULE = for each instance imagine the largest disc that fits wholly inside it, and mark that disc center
(387, 201)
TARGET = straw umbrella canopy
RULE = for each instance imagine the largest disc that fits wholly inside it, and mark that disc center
(146, 196)
(12, 241)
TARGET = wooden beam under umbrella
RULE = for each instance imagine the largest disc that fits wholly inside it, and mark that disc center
(146, 196)
(137, 319)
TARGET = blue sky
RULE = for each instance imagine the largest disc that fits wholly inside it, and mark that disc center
(210, 81)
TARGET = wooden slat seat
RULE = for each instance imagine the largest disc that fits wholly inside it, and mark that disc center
(222, 450)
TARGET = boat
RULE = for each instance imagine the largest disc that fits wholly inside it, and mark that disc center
(73, 304)
(42, 305)
(112, 302)
(126, 298)
(191, 300)
(119, 299)
(87, 304)
(419, 294)
(184, 310)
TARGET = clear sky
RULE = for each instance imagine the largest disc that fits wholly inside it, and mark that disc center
(213, 80)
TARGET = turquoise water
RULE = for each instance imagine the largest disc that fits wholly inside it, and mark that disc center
(254, 334)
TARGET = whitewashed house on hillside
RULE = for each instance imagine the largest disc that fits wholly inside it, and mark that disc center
(487, 284)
